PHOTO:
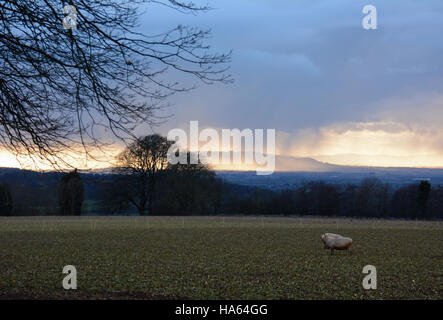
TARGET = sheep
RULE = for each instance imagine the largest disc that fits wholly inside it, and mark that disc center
(330, 235)
(342, 243)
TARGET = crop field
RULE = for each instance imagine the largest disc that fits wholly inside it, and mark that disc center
(217, 258)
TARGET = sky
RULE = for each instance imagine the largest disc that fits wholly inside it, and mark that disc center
(332, 90)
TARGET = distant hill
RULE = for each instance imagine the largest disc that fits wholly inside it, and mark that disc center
(294, 164)
(307, 169)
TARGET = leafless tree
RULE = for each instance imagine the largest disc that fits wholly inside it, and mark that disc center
(71, 194)
(61, 88)
(145, 159)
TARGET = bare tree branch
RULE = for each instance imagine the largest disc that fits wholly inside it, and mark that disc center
(61, 89)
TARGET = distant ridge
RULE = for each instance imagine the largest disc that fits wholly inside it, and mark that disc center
(282, 163)
(297, 164)
(308, 169)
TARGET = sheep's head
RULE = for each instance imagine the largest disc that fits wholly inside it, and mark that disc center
(323, 238)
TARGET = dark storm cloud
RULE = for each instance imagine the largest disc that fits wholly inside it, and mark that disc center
(301, 66)
(310, 63)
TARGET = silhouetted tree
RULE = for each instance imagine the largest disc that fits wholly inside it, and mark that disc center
(435, 203)
(216, 195)
(302, 200)
(348, 197)
(5, 200)
(71, 194)
(284, 203)
(112, 195)
(145, 159)
(188, 188)
(423, 195)
(404, 203)
(60, 86)
(326, 199)
(317, 198)
(372, 198)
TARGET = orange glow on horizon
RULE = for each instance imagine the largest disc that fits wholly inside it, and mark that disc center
(374, 144)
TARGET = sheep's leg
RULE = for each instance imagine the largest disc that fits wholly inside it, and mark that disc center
(350, 252)
(332, 251)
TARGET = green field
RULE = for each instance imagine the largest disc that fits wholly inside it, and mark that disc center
(217, 258)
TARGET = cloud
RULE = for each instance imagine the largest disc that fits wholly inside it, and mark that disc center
(308, 69)
(367, 143)
(310, 64)
(278, 62)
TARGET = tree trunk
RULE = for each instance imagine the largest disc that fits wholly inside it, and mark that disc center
(141, 210)
(142, 203)
(150, 194)
(150, 204)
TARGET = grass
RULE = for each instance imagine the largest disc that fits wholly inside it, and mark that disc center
(217, 258)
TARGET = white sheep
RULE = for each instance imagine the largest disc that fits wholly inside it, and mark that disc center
(329, 235)
(342, 243)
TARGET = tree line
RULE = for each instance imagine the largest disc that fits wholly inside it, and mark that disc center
(147, 182)
(370, 199)
(203, 193)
